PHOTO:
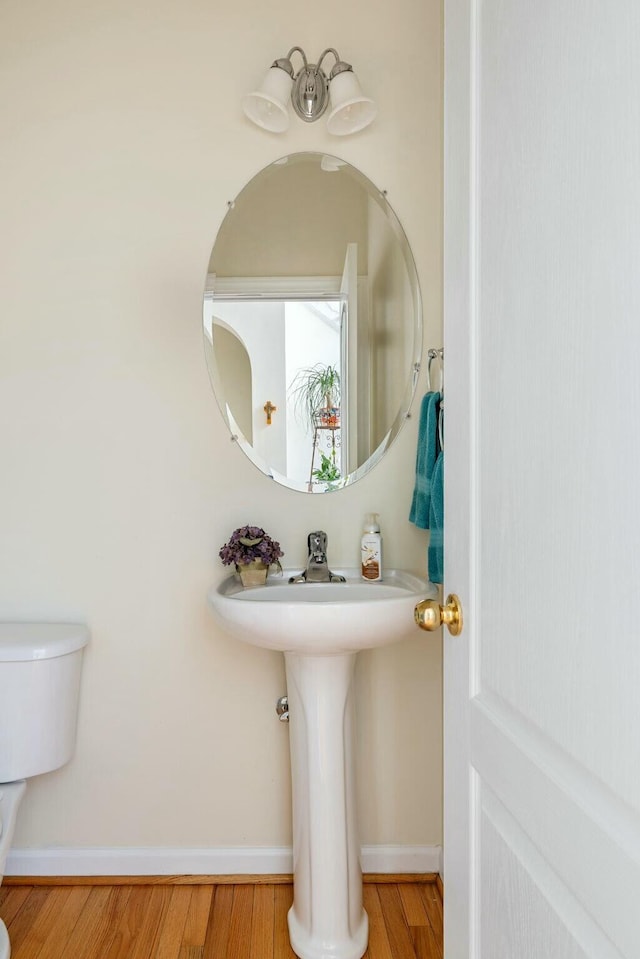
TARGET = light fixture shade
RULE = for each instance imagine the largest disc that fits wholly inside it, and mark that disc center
(268, 106)
(350, 110)
(329, 164)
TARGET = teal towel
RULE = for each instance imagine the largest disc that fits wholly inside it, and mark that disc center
(435, 553)
(426, 454)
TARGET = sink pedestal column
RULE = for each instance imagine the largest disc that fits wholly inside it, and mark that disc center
(327, 920)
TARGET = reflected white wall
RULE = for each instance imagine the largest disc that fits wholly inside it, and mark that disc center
(261, 327)
(312, 337)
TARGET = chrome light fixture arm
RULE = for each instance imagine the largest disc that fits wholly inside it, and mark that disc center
(284, 63)
(339, 66)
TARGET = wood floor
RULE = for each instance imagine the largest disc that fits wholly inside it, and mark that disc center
(227, 921)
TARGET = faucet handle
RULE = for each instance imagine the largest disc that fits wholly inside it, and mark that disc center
(317, 543)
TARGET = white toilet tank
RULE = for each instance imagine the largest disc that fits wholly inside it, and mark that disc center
(39, 685)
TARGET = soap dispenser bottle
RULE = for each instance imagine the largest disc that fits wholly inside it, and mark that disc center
(371, 549)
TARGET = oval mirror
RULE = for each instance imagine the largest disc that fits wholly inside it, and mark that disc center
(312, 322)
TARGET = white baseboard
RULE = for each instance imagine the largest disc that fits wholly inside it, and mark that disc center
(223, 861)
(401, 859)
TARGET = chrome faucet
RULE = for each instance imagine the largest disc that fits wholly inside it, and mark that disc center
(317, 570)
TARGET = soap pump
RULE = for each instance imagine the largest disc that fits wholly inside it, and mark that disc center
(371, 549)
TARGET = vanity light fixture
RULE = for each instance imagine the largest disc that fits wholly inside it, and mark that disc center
(310, 91)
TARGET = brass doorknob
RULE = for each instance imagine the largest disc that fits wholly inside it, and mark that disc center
(430, 615)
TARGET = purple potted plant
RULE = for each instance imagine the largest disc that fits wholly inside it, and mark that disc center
(252, 552)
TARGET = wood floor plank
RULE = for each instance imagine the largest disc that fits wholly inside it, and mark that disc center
(217, 937)
(191, 952)
(262, 923)
(64, 919)
(424, 943)
(379, 946)
(283, 897)
(12, 901)
(163, 880)
(171, 931)
(413, 905)
(35, 933)
(433, 905)
(99, 942)
(90, 921)
(397, 930)
(23, 921)
(195, 930)
(146, 940)
(127, 931)
(240, 923)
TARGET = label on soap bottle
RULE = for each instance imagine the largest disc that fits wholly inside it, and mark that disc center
(371, 556)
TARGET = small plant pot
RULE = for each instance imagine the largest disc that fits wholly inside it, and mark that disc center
(330, 416)
(253, 574)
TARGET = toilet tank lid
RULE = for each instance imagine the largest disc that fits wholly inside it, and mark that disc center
(23, 642)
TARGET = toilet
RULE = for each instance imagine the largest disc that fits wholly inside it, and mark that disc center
(39, 685)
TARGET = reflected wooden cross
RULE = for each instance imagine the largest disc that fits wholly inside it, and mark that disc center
(269, 408)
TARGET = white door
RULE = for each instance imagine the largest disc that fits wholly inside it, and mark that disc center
(542, 521)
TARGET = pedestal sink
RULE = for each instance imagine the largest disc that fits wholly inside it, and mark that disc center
(320, 627)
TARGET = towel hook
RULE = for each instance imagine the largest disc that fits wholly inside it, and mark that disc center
(434, 354)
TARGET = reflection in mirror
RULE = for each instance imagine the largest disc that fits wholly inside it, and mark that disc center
(312, 322)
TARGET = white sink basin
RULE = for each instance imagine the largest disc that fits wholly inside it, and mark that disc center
(321, 617)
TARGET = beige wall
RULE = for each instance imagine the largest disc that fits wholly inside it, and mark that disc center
(123, 140)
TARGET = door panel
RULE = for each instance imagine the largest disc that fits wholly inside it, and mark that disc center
(513, 873)
(542, 339)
